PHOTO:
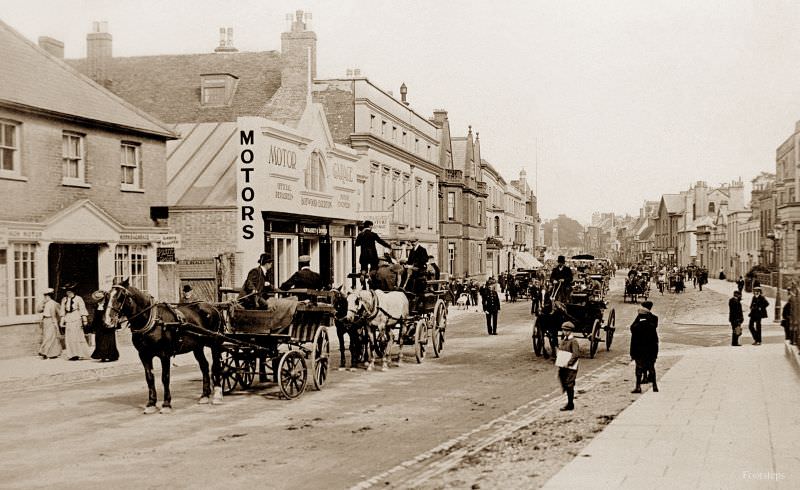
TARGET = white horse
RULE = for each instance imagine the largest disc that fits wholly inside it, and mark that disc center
(382, 311)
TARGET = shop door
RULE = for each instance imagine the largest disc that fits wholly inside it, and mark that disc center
(284, 253)
(74, 262)
(342, 260)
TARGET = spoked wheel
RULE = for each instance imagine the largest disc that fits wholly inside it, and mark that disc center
(292, 374)
(320, 357)
(228, 364)
(421, 340)
(246, 370)
(538, 338)
(612, 320)
(439, 327)
(594, 338)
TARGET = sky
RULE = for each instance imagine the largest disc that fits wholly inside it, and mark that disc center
(604, 104)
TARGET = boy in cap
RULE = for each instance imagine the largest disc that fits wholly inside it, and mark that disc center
(568, 373)
(644, 346)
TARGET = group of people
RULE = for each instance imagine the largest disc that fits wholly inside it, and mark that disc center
(69, 320)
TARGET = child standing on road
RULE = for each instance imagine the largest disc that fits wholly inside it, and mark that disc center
(567, 362)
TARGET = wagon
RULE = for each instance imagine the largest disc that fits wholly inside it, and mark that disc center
(637, 287)
(283, 343)
(586, 310)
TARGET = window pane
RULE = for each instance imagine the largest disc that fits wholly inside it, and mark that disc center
(6, 159)
(75, 147)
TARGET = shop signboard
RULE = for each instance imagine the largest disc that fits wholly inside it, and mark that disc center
(296, 171)
(171, 240)
(380, 221)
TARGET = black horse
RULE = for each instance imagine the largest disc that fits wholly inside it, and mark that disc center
(162, 330)
(552, 315)
(359, 351)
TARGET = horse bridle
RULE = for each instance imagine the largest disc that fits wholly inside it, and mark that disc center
(370, 316)
(150, 308)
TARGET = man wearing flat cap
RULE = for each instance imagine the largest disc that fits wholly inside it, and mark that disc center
(257, 285)
(563, 274)
(305, 278)
(568, 371)
(644, 346)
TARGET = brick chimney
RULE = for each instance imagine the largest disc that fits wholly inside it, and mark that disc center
(295, 47)
(52, 46)
(98, 52)
(225, 41)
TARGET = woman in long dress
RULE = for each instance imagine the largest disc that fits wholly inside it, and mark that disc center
(73, 317)
(51, 344)
(105, 338)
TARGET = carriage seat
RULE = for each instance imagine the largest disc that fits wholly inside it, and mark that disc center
(275, 319)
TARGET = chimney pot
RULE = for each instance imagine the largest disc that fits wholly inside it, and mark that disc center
(225, 41)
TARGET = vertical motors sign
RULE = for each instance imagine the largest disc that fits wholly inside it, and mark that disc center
(248, 183)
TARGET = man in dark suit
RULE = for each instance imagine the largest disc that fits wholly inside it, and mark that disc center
(256, 285)
(417, 267)
(644, 346)
(305, 278)
(562, 273)
(369, 254)
(758, 310)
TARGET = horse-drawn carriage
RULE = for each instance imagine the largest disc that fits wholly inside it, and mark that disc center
(637, 286)
(586, 309)
(283, 342)
(676, 282)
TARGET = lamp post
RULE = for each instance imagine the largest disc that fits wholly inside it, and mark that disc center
(777, 234)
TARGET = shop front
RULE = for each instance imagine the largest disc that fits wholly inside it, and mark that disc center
(297, 194)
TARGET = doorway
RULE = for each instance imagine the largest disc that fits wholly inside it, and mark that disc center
(74, 262)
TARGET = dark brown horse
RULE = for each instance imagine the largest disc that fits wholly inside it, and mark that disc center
(163, 330)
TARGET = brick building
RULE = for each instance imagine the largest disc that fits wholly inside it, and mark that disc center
(204, 96)
(80, 171)
(463, 204)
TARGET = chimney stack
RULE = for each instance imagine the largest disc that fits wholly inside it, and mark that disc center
(98, 52)
(52, 46)
(403, 93)
(225, 41)
(295, 46)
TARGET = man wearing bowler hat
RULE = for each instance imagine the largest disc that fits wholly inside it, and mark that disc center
(188, 294)
(368, 258)
(257, 284)
(305, 278)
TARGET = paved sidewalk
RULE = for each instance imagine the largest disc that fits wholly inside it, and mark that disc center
(725, 418)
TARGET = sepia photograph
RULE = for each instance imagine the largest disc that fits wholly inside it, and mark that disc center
(400, 244)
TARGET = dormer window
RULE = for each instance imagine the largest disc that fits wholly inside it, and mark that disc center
(217, 89)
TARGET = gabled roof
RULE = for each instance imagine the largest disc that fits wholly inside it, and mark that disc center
(674, 203)
(32, 79)
(647, 233)
(169, 86)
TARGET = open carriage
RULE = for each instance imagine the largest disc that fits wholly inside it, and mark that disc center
(586, 309)
(282, 343)
(637, 287)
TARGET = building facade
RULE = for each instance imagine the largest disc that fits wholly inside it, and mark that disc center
(80, 172)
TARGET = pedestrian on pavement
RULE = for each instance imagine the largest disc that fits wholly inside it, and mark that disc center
(736, 317)
(491, 306)
(74, 317)
(568, 364)
(740, 283)
(644, 346)
(758, 310)
(105, 338)
(786, 316)
(51, 344)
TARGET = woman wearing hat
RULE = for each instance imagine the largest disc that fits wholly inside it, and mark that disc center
(73, 317)
(569, 372)
(105, 338)
(51, 345)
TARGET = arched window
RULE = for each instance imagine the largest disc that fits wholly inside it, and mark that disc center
(316, 172)
(711, 207)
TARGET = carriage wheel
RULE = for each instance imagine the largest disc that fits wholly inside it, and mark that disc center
(246, 370)
(320, 357)
(538, 338)
(439, 326)
(229, 372)
(612, 320)
(421, 340)
(292, 374)
(594, 338)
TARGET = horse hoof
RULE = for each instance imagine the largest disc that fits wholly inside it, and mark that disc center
(149, 410)
(384, 368)
(203, 401)
(217, 398)
(341, 369)
(165, 410)
(369, 368)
